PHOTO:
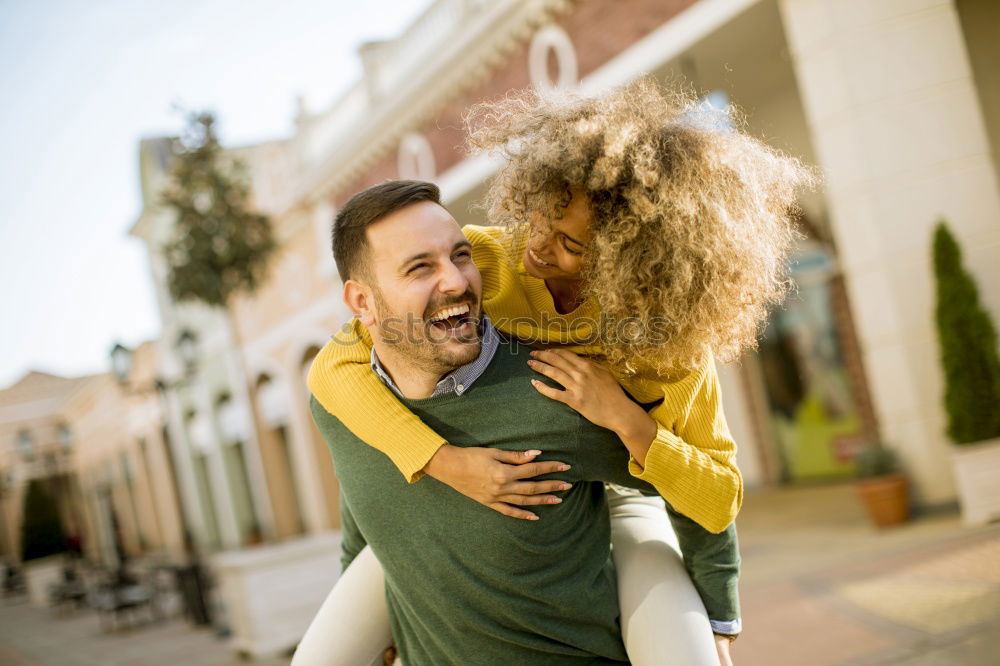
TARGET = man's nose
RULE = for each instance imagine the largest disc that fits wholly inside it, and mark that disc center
(452, 279)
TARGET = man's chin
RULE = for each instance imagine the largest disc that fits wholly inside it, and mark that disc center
(455, 354)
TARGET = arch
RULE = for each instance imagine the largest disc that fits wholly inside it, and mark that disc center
(552, 38)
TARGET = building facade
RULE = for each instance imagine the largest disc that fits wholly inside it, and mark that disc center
(210, 436)
(893, 101)
(37, 444)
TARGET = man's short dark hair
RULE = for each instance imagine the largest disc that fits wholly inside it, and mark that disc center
(350, 241)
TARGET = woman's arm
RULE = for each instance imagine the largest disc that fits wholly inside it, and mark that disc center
(682, 447)
(342, 381)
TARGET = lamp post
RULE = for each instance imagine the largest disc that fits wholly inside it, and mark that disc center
(187, 349)
(190, 578)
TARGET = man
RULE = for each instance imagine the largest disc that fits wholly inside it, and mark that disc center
(465, 584)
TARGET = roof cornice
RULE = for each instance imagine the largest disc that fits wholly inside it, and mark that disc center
(462, 63)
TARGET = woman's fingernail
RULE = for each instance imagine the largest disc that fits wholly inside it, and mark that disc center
(532, 452)
(555, 500)
(532, 517)
(563, 467)
(566, 486)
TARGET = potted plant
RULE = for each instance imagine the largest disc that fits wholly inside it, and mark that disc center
(42, 543)
(881, 485)
(968, 345)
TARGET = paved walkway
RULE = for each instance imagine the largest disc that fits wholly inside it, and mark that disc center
(823, 588)
(36, 637)
(820, 588)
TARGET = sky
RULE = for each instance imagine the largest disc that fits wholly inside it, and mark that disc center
(82, 83)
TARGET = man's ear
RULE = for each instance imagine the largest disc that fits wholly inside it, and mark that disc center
(358, 298)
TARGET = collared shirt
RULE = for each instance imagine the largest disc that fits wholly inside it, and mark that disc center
(459, 379)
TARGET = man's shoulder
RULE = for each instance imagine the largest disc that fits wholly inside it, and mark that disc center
(510, 351)
(328, 424)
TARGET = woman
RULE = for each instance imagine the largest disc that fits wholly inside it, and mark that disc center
(642, 246)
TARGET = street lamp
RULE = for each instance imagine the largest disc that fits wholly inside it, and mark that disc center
(121, 362)
(187, 349)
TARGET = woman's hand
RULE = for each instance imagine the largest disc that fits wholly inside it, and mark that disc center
(495, 478)
(594, 392)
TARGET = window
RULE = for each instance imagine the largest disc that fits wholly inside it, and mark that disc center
(65, 437)
(26, 444)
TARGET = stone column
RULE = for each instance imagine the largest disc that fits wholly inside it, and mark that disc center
(893, 111)
(315, 512)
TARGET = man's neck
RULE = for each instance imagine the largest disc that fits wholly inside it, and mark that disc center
(413, 381)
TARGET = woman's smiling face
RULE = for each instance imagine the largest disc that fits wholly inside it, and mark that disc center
(556, 248)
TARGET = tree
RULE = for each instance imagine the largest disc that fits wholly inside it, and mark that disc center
(221, 245)
(41, 531)
(968, 342)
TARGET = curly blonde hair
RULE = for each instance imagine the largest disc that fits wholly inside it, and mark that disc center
(692, 223)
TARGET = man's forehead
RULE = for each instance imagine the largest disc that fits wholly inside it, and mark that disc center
(421, 227)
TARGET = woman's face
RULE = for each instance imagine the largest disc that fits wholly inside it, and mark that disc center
(556, 248)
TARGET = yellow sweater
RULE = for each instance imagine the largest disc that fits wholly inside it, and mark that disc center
(691, 462)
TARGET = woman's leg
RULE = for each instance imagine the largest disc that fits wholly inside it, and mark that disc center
(663, 619)
(352, 626)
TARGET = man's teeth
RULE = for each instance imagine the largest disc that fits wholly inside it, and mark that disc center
(455, 311)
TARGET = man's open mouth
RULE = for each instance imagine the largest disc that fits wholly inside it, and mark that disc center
(452, 318)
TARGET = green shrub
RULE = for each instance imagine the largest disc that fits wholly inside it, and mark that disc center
(875, 460)
(41, 531)
(968, 342)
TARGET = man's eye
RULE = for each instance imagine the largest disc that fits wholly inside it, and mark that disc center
(463, 254)
(416, 267)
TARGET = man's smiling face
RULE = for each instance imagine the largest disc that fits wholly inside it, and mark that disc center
(425, 287)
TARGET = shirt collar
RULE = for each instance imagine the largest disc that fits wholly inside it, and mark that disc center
(460, 379)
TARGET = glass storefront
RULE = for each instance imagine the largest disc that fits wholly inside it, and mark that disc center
(814, 417)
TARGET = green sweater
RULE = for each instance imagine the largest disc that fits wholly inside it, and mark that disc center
(467, 585)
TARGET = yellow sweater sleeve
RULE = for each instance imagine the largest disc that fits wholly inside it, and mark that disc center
(692, 460)
(341, 379)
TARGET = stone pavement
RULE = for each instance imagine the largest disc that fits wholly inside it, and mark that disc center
(820, 588)
(36, 637)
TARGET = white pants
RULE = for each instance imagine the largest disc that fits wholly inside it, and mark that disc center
(663, 619)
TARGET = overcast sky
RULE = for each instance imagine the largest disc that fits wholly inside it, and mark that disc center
(82, 82)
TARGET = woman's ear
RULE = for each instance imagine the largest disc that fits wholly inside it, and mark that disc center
(359, 299)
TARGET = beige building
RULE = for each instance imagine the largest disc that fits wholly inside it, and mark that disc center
(37, 442)
(100, 449)
(123, 465)
(895, 102)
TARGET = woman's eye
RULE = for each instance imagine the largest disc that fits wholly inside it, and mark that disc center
(569, 249)
(417, 267)
(464, 254)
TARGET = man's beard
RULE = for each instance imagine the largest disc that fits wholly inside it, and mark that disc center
(419, 341)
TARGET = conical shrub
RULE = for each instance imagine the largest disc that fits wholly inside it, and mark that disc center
(968, 342)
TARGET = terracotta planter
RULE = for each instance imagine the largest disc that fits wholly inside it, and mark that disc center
(977, 475)
(886, 499)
